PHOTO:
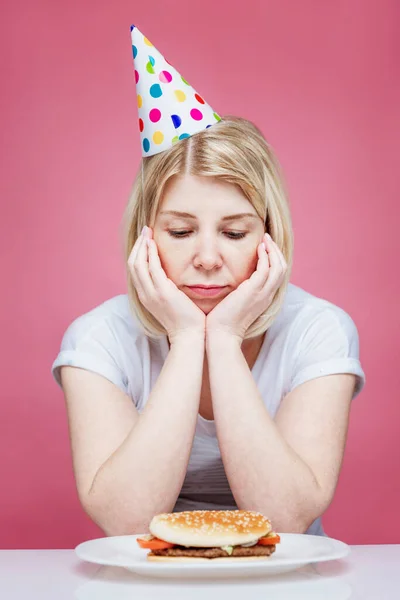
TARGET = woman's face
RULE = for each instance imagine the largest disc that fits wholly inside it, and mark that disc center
(206, 249)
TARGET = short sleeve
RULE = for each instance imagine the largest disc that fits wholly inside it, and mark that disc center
(328, 343)
(92, 346)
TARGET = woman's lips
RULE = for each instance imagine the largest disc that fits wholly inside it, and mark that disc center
(207, 291)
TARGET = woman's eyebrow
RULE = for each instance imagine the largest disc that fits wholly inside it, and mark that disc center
(186, 215)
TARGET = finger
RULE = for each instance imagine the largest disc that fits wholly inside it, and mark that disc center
(140, 270)
(274, 260)
(281, 257)
(156, 270)
(261, 273)
(134, 251)
(133, 257)
(279, 253)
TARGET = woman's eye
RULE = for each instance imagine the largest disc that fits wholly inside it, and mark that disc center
(231, 234)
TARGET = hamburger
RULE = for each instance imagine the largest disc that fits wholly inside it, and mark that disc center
(209, 535)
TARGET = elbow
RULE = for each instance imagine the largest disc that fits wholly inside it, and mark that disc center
(291, 524)
(302, 518)
(298, 524)
(123, 529)
(294, 523)
(121, 516)
(113, 523)
(298, 519)
(117, 526)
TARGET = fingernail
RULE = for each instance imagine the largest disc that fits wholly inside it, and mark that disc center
(143, 230)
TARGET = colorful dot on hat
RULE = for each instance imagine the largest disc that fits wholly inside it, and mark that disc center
(147, 41)
(217, 117)
(136, 76)
(175, 139)
(199, 99)
(176, 121)
(132, 27)
(155, 90)
(134, 51)
(207, 126)
(154, 115)
(158, 137)
(184, 80)
(184, 135)
(141, 124)
(146, 145)
(149, 68)
(180, 96)
(165, 77)
(139, 101)
(152, 60)
(196, 114)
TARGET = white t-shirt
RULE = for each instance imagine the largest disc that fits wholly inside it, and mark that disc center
(309, 338)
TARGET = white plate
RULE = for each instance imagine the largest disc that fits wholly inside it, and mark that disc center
(294, 551)
(303, 584)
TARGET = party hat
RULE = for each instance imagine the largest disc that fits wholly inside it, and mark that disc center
(169, 108)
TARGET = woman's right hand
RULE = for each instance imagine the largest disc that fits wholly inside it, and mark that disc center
(159, 294)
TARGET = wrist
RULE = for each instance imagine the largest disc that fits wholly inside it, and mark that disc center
(189, 338)
(219, 337)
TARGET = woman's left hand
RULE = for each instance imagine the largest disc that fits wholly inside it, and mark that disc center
(237, 311)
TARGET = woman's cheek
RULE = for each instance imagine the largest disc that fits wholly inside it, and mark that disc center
(163, 256)
(250, 264)
(170, 262)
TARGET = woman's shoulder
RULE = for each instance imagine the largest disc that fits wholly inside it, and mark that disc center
(322, 339)
(110, 329)
(106, 339)
(301, 307)
(113, 316)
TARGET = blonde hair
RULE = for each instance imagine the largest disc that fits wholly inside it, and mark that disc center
(235, 151)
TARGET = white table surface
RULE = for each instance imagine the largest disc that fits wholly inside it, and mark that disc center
(369, 572)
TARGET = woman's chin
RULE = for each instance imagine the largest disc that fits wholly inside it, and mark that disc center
(207, 304)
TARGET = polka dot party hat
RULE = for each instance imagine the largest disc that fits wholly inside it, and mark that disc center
(169, 108)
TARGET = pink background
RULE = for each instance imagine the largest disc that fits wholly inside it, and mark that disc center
(321, 80)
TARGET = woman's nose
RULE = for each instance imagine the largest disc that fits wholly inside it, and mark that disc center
(207, 253)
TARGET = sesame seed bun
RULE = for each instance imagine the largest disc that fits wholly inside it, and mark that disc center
(210, 528)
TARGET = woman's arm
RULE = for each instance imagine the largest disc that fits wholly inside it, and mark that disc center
(288, 468)
(144, 476)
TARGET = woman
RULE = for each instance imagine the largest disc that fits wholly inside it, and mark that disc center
(238, 398)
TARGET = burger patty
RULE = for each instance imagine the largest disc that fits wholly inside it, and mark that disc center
(257, 550)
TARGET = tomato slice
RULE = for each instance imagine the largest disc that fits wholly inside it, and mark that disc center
(270, 539)
(153, 543)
